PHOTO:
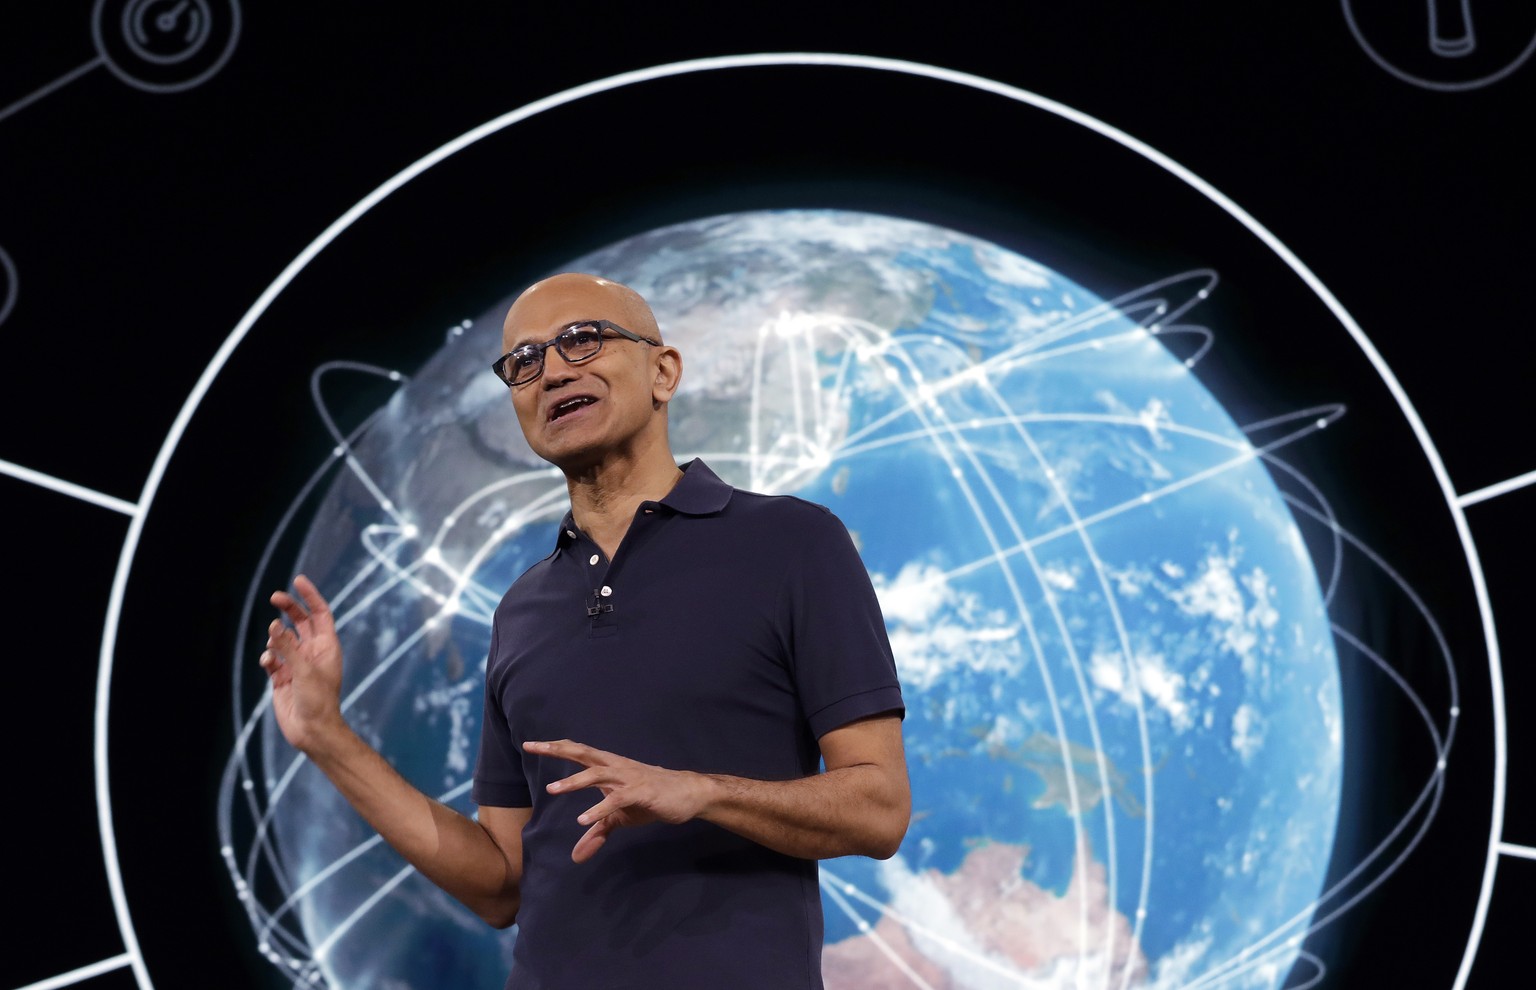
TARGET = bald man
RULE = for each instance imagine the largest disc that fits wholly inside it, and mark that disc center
(662, 693)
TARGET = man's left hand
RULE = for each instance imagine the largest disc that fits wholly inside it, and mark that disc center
(634, 793)
(859, 806)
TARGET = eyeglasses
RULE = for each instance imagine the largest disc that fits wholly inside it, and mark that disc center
(576, 342)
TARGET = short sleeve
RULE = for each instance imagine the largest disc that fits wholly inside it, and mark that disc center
(499, 781)
(843, 666)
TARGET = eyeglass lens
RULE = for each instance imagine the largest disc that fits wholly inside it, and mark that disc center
(576, 344)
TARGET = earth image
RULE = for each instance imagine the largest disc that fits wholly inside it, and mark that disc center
(1124, 720)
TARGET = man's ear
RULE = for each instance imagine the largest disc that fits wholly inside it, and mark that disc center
(669, 372)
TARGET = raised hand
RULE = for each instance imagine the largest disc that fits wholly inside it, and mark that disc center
(634, 793)
(303, 662)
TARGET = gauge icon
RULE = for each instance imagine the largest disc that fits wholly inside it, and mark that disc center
(165, 45)
(166, 31)
(1446, 45)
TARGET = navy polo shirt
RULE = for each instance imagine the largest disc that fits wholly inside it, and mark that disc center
(729, 632)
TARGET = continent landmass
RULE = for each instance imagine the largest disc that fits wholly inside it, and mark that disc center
(986, 922)
(1041, 754)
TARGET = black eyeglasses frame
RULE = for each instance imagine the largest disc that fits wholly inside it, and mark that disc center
(500, 364)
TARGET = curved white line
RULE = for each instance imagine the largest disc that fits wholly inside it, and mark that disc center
(243, 327)
(8, 285)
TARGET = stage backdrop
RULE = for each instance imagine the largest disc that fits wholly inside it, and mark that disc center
(1171, 369)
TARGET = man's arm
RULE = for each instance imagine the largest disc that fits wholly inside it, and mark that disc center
(479, 862)
(861, 805)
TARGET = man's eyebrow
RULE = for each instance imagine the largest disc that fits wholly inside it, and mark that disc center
(533, 338)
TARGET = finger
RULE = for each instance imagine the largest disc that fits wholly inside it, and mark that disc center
(289, 606)
(600, 812)
(565, 749)
(591, 841)
(281, 639)
(277, 671)
(319, 608)
(582, 779)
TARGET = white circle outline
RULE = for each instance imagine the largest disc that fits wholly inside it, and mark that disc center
(120, 72)
(687, 67)
(12, 289)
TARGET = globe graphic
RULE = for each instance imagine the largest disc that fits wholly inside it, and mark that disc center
(1124, 721)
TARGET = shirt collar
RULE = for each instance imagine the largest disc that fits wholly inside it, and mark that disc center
(699, 492)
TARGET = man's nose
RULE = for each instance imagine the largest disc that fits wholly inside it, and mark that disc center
(557, 370)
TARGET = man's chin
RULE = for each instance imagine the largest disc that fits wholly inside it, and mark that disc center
(571, 455)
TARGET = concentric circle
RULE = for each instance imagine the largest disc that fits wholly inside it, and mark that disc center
(164, 46)
(861, 68)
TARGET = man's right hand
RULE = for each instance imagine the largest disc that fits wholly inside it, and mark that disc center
(480, 863)
(303, 662)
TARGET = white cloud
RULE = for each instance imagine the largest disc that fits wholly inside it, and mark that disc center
(924, 656)
(1152, 419)
(1213, 593)
(1107, 672)
(1013, 270)
(1176, 967)
(914, 595)
(943, 933)
(1059, 578)
(1165, 687)
(1248, 730)
(935, 627)
(1162, 686)
(1130, 581)
(1245, 622)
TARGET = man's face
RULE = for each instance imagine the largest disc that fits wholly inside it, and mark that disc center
(576, 415)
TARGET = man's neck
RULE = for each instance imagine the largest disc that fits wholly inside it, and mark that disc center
(604, 498)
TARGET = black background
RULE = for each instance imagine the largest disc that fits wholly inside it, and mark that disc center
(143, 225)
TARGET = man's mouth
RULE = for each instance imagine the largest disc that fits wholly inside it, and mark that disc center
(567, 406)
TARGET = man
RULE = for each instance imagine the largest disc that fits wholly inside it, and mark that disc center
(708, 647)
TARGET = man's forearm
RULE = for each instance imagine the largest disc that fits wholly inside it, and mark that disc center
(860, 806)
(850, 811)
(454, 852)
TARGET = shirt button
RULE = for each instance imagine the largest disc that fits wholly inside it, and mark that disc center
(571, 533)
(606, 591)
(592, 559)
